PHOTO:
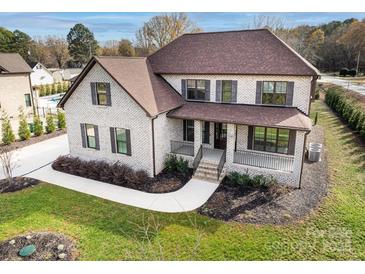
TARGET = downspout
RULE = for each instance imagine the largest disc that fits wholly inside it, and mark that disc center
(153, 145)
(303, 158)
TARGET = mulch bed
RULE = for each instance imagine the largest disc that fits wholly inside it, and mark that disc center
(272, 205)
(33, 140)
(122, 175)
(49, 247)
(19, 183)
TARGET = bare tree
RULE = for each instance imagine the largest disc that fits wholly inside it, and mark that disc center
(58, 49)
(161, 30)
(7, 162)
(273, 23)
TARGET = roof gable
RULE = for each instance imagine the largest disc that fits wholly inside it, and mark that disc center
(256, 52)
(13, 63)
(135, 76)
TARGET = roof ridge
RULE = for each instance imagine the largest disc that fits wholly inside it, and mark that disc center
(120, 57)
(224, 31)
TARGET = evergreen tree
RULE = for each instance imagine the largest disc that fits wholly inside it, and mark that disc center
(8, 136)
(23, 131)
(50, 127)
(61, 120)
(38, 127)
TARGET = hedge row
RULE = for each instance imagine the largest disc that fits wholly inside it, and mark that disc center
(56, 88)
(347, 108)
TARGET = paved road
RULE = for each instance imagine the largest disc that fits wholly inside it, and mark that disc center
(360, 88)
(35, 161)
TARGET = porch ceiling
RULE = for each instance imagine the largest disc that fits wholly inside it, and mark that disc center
(282, 117)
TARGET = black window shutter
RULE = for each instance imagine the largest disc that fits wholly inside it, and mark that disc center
(128, 137)
(97, 142)
(112, 140)
(207, 90)
(289, 93)
(218, 91)
(83, 135)
(234, 91)
(108, 95)
(183, 88)
(184, 130)
(258, 92)
(93, 93)
(292, 139)
(250, 137)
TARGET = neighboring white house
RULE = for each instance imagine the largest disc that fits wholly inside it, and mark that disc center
(41, 75)
(225, 101)
(15, 85)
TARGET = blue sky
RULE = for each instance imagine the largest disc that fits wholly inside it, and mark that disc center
(114, 26)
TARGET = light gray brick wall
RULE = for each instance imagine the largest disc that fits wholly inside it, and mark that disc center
(12, 90)
(246, 86)
(124, 113)
(289, 178)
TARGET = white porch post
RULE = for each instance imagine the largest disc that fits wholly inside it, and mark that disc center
(231, 141)
(197, 136)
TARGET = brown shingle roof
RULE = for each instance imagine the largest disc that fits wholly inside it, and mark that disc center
(257, 52)
(282, 117)
(13, 63)
(135, 76)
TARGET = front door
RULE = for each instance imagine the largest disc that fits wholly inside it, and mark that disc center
(220, 136)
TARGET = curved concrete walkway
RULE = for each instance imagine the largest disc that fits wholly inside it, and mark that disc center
(35, 161)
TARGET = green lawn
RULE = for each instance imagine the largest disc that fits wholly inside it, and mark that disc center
(109, 231)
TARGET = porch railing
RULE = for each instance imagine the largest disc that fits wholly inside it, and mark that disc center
(264, 160)
(221, 164)
(182, 147)
(197, 158)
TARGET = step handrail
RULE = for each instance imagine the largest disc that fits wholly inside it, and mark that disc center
(222, 161)
(197, 158)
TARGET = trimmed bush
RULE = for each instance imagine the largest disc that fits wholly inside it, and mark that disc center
(23, 130)
(53, 89)
(344, 71)
(244, 179)
(59, 88)
(61, 119)
(352, 72)
(174, 164)
(37, 126)
(117, 174)
(50, 126)
(347, 108)
(8, 136)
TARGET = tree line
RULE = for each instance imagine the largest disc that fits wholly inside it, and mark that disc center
(329, 46)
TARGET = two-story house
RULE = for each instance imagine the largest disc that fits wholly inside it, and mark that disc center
(225, 101)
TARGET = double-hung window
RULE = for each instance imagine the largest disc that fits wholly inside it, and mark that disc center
(271, 140)
(90, 136)
(226, 91)
(28, 100)
(121, 140)
(189, 130)
(274, 93)
(196, 90)
(101, 95)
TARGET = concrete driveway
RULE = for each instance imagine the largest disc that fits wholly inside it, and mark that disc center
(35, 161)
(359, 88)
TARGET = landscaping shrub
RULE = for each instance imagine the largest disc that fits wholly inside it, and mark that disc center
(344, 71)
(23, 130)
(48, 89)
(8, 136)
(347, 108)
(59, 87)
(244, 179)
(53, 89)
(117, 173)
(174, 164)
(37, 126)
(352, 72)
(61, 119)
(50, 127)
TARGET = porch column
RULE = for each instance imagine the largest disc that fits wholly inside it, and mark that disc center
(197, 136)
(231, 141)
